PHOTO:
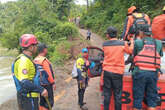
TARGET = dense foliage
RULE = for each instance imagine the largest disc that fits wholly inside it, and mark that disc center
(104, 13)
(47, 19)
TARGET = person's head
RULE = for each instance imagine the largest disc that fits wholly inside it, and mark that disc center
(42, 49)
(131, 10)
(111, 32)
(163, 9)
(145, 31)
(84, 52)
(29, 42)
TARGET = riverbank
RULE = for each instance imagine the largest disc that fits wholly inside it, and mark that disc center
(7, 90)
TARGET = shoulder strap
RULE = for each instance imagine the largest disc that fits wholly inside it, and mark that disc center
(155, 50)
(134, 16)
(143, 43)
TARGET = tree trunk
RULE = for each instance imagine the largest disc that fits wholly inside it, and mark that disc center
(87, 4)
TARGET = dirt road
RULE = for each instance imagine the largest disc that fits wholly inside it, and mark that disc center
(96, 40)
(67, 99)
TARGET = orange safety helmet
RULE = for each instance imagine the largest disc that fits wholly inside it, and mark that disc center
(131, 9)
(27, 40)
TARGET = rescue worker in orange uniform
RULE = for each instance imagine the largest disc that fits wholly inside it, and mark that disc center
(113, 67)
(158, 26)
(147, 53)
(47, 78)
(133, 20)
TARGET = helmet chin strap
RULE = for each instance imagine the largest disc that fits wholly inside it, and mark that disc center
(31, 51)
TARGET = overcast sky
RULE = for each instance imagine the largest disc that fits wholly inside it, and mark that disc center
(3, 1)
(82, 2)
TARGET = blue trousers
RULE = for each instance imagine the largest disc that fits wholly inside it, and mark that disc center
(145, 83)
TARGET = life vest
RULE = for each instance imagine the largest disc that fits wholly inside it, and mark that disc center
(43, 74)
(139, 21)
(19, 88)
(148, 58)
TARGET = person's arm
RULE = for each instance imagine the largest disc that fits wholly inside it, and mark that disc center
(30, 87)
(125, 29)
(47, 68)
(135, 49)
(148, 19)
(129, 49)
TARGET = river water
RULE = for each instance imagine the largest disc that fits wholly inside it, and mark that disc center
(7, 87)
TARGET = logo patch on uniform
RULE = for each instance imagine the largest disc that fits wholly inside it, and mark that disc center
(24, 71)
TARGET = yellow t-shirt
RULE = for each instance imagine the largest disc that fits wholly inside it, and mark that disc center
(80, 62)
(24, 68)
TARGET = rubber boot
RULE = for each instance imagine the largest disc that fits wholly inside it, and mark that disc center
(83, 107)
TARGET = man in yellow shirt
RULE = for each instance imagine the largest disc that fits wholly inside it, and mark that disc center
(82, 65)
(25, 77)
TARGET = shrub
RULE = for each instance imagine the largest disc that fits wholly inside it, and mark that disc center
(104, 13)
(60, 53)
(65, 30)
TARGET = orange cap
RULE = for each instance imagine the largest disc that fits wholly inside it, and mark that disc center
(131, 9)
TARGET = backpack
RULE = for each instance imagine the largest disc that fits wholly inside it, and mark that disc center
(139, 21)
(74, 71)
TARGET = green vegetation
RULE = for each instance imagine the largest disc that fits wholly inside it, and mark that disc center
(104, 13)
(47, 19)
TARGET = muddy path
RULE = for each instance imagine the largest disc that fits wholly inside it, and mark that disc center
(96, 40)
(68, 97)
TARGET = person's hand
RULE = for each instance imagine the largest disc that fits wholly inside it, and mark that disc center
(101, 61)
(44, 93)
(87, 63)
(54, 87)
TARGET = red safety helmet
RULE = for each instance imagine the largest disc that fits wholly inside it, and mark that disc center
(131, 9)
(27, 40)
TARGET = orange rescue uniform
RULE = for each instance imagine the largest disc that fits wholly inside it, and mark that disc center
(46, 66)
(114, 55)
(129, 22)
(158, 27)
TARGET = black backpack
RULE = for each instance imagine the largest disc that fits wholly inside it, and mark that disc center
(139, 21)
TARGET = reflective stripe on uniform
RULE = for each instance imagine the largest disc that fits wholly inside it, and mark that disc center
(33, 94)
